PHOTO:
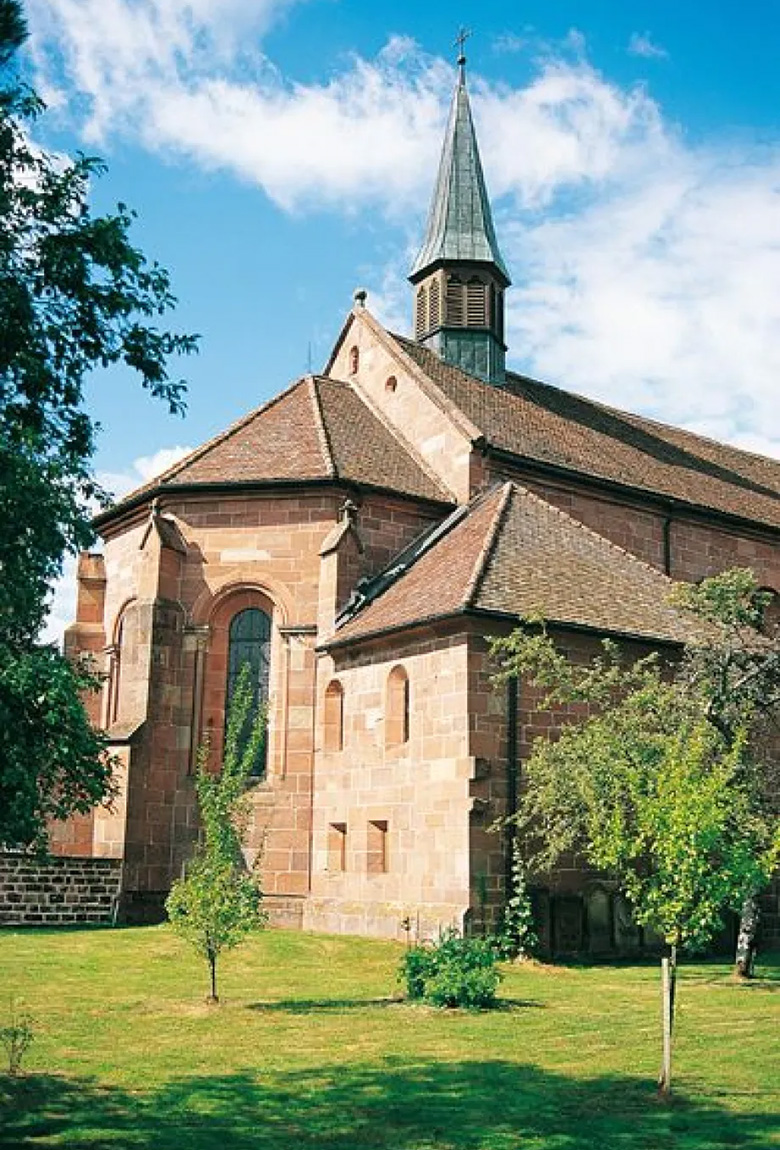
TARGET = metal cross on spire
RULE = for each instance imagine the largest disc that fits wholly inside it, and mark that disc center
(460, 44)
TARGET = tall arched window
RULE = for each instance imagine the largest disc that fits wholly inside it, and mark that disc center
(334, 716)
(397, 708)
(249, 644)
(115, 672)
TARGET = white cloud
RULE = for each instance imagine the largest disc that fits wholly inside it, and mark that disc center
(641, 44)
(141, 470)
(62, 608)
(647, 269)
(662, 293)
(510, 42)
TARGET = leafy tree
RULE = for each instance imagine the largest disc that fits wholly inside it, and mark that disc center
(734, 672)
(217, 903)
(644, 787)
(75, 295)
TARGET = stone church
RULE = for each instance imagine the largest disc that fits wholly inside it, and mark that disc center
(355, 541)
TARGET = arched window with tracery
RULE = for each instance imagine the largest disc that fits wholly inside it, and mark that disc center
(334, 716)
(397, 708)
(249, 645)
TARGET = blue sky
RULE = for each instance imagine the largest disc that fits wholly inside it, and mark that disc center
(281, 154)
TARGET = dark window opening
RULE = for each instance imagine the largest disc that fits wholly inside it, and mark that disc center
(249, 644)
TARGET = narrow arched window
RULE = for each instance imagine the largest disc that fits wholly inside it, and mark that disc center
(249, 644)
(397, 708)
(334, 716)
(115, 673)
(354, 360)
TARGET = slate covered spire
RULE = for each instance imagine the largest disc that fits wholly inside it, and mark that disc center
(460, 275)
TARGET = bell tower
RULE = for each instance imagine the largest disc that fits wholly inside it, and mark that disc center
(460, 277)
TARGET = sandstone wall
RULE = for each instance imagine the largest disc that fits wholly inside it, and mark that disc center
(410, 800)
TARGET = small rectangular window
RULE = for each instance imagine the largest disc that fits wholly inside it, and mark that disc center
(337, 847)
(376, 847)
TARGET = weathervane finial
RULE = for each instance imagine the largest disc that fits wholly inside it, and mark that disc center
(460, 44)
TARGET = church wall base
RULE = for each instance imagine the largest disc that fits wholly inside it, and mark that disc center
(394, 920)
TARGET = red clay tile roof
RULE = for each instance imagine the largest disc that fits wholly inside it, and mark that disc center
(544, 424)
(317, 429)
(514, 554)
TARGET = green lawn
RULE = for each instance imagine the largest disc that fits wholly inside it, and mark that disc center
(311, 1049)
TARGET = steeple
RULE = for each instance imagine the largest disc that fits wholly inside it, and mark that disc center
(460, 275)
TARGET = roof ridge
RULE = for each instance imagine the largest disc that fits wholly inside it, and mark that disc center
(322, 431)
(583, 527)
(486, 551)
(624, 413)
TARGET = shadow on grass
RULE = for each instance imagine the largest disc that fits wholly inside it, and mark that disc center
(428, 1104)
(330, 1005)
(320, 1005)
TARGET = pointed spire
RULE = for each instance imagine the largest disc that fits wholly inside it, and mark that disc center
(460, 223)
(460, 277)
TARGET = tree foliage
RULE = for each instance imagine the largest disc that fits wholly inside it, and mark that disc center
(217, 903)
(75, 296)
(644, 788)
(663, 775)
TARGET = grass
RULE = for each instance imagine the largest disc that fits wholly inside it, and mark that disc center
(310, 1048)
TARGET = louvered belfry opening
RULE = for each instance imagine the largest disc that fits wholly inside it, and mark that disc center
(459, 275)
(454, 309)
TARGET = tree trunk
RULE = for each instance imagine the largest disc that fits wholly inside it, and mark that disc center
(213, 997)
(748, 937)
(668, 994)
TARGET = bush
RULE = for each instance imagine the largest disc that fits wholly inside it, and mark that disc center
(453, 971)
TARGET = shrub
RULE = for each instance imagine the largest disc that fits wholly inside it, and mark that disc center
(453, 971)
(17, 1037)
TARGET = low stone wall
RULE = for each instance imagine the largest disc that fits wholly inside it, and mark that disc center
(57, 891)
